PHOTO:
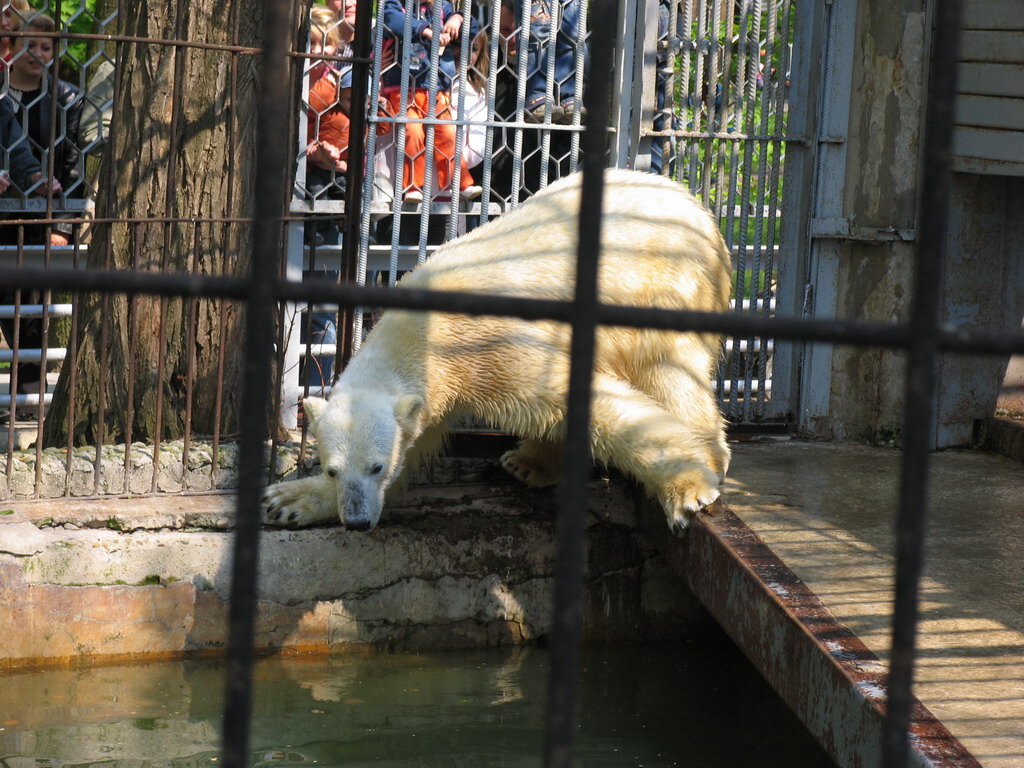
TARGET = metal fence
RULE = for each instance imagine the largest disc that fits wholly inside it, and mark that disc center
(193, 292)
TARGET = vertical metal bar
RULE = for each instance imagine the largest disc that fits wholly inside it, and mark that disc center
(101, 394)
(402, 119)
(190, 362)
(132, 302)
(522, 39)
(170, 203)
(921, 375)
(272, 157)
(549, 88)
(459, 111)
(581, 43)
(15, 345)
(232, 117)
(561, 708)
(775, 97)
(353, 257)
(492, 80)
(71, 360)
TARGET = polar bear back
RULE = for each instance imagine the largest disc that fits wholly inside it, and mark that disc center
(660, 247)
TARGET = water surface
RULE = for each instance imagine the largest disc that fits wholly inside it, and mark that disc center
(687, 704)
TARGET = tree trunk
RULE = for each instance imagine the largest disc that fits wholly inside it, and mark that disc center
(182, 145)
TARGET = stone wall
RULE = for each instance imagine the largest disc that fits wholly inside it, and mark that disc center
(467, 562)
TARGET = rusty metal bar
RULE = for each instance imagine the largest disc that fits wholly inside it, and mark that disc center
(271, 161)
(560, 722)
(72, 361)
(857, 333)
(129, 425)
(921, 387)
(830, 679)
(190, 362)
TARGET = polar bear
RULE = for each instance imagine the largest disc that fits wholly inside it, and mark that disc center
(655, 413)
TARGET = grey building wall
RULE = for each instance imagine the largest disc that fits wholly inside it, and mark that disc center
(873, 271)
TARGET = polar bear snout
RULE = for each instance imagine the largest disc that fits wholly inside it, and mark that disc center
(360, 510)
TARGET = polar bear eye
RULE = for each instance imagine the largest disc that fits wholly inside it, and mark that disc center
(332, 472)
(376, 469)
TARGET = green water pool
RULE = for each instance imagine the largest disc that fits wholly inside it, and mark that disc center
(685, 704)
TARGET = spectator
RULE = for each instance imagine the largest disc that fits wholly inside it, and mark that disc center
(97, 109)
(30, 96)
(12, 14)
(330, 94)
(538, 52)
(418, 107)
(532, 161)
(21, 167)
(97, 112)
(327, 136)
(475, 99)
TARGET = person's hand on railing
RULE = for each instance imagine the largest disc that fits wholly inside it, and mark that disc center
(49, 185)
(5, 181)
(56, 238)
(452, 27)
(325, 155)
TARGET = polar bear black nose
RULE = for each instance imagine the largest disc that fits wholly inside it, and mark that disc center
(358, 525)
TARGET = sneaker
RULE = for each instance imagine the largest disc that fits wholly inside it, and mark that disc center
(471, 192)
(569, 109)
(413, 196)
(536, 114)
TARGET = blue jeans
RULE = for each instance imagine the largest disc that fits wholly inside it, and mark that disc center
(318, 370)
(539, 49)
(324, 185)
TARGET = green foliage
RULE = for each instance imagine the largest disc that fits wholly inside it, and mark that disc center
(78, 18)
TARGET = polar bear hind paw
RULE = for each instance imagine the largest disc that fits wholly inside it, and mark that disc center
(292, 504)
(527, 470)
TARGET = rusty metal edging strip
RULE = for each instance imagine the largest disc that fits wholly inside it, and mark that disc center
(820, 668)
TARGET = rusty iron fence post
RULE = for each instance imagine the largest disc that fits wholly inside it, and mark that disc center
(920, 391)
(256, 396)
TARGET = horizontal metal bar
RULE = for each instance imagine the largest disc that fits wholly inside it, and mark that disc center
(34, 204)
(35, 310)
(481, 123)
(743, 345)
(243, 49)
(26, 399)
(725, 135)
(854, 332)
(729, 385)
(53, 355)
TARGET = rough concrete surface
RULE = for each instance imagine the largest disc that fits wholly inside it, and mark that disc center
(457, 565)
(827, 510)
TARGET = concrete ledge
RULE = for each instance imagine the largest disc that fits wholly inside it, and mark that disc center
(460, 565)
(1001, 435)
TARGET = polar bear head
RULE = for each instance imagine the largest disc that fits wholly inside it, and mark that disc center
(362, 438)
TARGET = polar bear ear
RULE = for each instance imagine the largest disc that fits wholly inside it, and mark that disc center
(407, 412)
(313, 407)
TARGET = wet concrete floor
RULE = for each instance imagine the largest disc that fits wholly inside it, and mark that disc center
(827, 509)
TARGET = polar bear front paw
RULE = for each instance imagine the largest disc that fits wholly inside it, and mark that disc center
(528, 468)
(690, 493)
(301, 502)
